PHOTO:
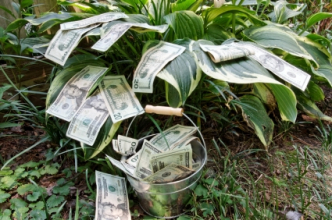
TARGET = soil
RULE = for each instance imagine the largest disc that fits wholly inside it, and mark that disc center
(17, 139)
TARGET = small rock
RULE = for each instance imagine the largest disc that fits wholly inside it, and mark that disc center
(293, 215)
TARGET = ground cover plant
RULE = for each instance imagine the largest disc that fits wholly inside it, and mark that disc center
(218, 96)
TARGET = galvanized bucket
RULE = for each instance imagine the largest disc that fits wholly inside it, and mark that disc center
(168, 200)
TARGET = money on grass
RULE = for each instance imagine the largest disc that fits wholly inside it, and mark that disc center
(102, 18)
(74, 92)
(278, 66)
(152, 62)
(121, 101)
(63, 43)
(171, 173)
(226, 52)
(173, 135)
(143, 166)
(182, 156)
(88, 120)
(112, 197)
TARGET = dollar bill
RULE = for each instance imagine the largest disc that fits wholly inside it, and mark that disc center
(120, 99)
(278, 66)
(186, 142)
(112, 31)
(171, 173)
(152, 62)
(129, 168)
(196, 165)
(112, 198)
(133, 160)
(144, 27)
(115, 31)
(143, 166)
(74, 92)
(182, 156)
(115, 145)
(63, 43)
(118, 164)
(88, 120)
(102, 18)
(127, 145)
(174, 136)
(226, 52)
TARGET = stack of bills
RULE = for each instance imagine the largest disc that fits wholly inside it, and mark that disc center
(167, 157)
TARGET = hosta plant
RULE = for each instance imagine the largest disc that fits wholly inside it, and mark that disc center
(192, 79)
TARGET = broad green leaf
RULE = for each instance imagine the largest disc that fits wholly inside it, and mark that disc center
(207, 209)
(283, 11)
(286, 101)
(310, 108)
(26, 188)
(240, 71)
(36, 214)
(8, 182)
(8, 125)
(313, 19)
(5, 215)
(38, 205)
(3, 89)
(264, 93)
(255, 115)
(18, 23)
(183, 74)
(31, 164)
(272, 36)
(137, 18)
(186, 24)
(50, 169)
(34, 196)
(319, 39)
(4, 196)
(54, 200)
(47, 17)
(200, 190)
(181, 5)
(216, 34)
(26, 3)
(213, 13)
(17, 203)
(315, 92)
(104, 137)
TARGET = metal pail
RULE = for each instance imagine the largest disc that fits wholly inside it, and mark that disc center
(168, 200)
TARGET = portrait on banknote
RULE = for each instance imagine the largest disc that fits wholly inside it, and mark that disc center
(272, 62)
(109, 211)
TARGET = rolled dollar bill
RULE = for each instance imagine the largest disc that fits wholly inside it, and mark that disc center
(152, 62)
(63, 43)
(120, 99)
(182, 156)
(88, 120)
(102, 18)
(171, 173)
(226, 52)
(133, 160)
(126, 145)
(112, 198)
(74, 92)
(173, 135)
(143, 166)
